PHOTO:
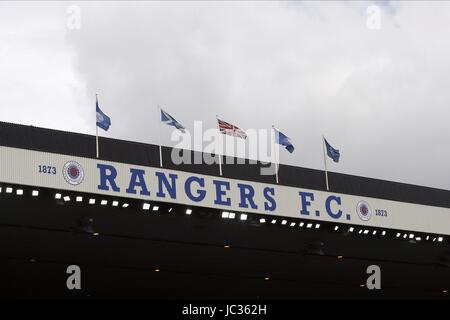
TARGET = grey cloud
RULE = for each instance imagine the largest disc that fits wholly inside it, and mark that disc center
(311, 68)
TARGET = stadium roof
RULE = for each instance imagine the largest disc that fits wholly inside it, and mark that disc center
(165, 253)
(82, 145)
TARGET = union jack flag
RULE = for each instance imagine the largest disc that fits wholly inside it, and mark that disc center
(232, 130)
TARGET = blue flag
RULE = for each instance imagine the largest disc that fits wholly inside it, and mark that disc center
(170, 121)
(103, 121)
(282, 139)
(332, 152)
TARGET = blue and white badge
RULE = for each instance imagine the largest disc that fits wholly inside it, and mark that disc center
(364, 211)
(73, 173)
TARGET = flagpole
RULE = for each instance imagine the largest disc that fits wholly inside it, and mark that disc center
(275, 152)
(158, 109)
(218, 142)
(325, 163)
(96, 126)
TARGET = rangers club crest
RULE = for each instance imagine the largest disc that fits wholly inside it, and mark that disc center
(73, 173)
(364, 211)
(100, 118)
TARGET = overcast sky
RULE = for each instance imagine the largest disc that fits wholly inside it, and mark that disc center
(382, 96)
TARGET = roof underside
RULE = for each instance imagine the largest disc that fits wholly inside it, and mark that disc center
(40, 240)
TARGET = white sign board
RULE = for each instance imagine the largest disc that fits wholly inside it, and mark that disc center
(62, 172)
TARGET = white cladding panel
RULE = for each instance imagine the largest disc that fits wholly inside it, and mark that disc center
(24, 167)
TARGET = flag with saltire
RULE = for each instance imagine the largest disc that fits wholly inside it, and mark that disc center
(170, 121)
(283, 140)
(332, 152)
